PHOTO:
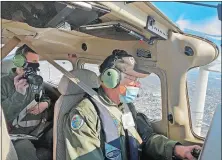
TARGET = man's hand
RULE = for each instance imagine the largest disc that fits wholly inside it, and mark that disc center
(20, 84)
(38, 108)
(184, 152)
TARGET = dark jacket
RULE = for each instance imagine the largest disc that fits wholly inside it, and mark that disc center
(156, 146)
(13, 102)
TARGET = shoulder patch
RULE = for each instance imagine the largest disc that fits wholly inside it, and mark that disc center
(76, 122)
(116, 122)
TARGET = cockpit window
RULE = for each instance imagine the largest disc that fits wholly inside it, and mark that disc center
(149, 99)
(52, 75)
(92, 67)
(204, 92)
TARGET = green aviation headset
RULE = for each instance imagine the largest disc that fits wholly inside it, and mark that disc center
(19, 60)
(111, 77)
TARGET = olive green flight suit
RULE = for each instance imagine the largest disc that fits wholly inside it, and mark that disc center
(13, 103)
(85, 141)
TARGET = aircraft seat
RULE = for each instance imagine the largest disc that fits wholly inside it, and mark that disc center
(71, 94)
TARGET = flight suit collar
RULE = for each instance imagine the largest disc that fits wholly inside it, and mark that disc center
(107, 100)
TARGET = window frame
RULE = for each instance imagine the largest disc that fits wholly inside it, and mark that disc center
(190, 118)
(189, 110)
(164, 123)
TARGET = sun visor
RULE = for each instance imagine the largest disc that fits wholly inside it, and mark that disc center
(113, 30)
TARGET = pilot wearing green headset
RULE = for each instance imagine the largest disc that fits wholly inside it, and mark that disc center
(17, 94)
(88, 137)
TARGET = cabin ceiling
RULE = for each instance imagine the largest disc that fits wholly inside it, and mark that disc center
(38, 23)
(49, 14)
(71, 15)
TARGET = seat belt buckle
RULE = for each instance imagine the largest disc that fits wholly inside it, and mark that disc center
(15, 122)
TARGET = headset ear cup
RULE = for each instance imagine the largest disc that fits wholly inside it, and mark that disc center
(19, 60)
(110, 78)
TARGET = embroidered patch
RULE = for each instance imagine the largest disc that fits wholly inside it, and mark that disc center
(76, 122)
(112, 152)
(116, 122)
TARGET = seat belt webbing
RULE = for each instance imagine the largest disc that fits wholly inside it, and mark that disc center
(112, 138)
(111, 131)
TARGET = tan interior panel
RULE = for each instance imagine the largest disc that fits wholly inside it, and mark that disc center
(170, 54)
(54, 41)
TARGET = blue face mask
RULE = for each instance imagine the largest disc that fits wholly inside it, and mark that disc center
(131, 94)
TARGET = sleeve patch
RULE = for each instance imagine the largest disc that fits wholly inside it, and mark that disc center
(76, 122)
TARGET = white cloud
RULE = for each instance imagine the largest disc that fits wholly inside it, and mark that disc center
(211, 26)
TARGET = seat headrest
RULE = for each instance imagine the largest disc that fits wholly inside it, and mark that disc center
(89, 78)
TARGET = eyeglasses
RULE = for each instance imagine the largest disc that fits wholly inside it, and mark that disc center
(134, 81)
(132, 78)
